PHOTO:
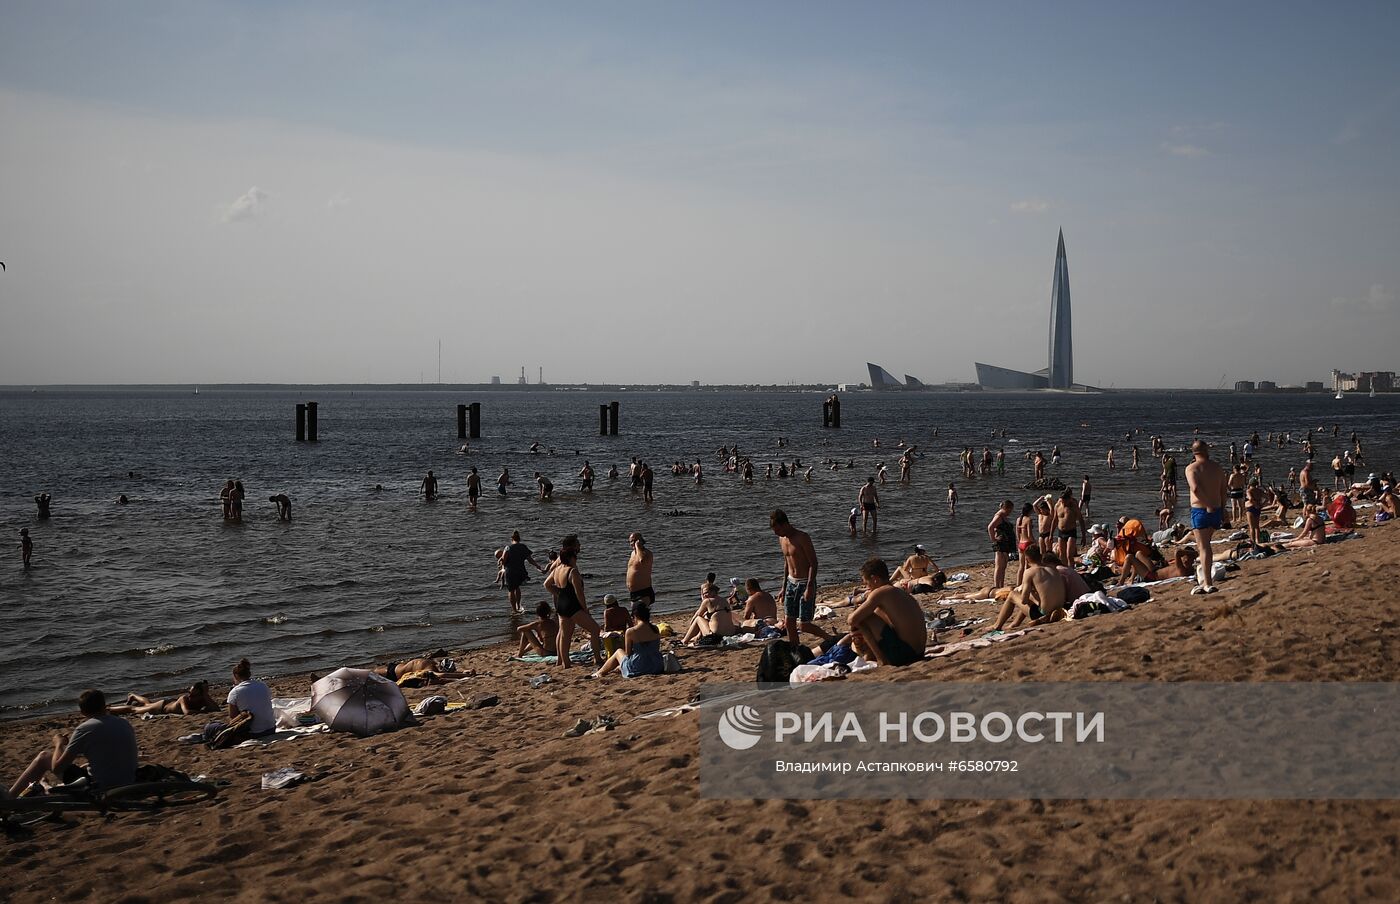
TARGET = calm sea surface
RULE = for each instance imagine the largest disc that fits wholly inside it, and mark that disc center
(151, 595)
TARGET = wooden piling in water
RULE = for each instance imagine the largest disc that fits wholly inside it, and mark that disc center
(311, 422)
(301, 423)
(602, 420)
(835, 413)
(474, 422)
(612, 418)
(461, 421)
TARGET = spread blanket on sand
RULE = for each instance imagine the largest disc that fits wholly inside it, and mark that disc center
(575, 656)
(986, 640)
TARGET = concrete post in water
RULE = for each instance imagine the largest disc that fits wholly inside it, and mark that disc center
(475, 422)
(301, 423)
(461, 421)
(602, 420)
(612, 418)
(826, 413)
(836, 412)
(311, 422)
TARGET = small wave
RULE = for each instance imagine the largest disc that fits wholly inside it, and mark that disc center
(277, 619)
(161, 650)
(376, 629)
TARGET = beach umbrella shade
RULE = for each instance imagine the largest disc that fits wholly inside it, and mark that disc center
(358, 701)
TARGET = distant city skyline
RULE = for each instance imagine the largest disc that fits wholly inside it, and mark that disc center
(625, 192)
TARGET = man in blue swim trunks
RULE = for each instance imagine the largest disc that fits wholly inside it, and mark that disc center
(799, 577)
(1208, 485)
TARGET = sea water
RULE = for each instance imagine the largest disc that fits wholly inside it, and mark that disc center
(152, 595)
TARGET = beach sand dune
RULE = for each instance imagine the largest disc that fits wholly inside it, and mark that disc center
(494, 804)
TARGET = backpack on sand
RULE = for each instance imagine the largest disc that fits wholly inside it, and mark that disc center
(778, 659)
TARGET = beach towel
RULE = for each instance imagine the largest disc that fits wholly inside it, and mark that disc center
(282, 734)
(986, 640)
(575, 656)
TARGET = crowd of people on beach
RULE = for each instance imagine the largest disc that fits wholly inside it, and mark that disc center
(1061, 556)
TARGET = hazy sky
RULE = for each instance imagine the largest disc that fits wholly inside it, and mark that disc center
(201, 192)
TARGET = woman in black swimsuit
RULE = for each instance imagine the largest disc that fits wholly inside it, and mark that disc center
(566, 584)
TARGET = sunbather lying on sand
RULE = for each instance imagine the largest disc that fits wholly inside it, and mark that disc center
(432, 671)
(194, 700)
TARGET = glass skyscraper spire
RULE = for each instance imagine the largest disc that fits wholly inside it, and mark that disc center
(1061, 371)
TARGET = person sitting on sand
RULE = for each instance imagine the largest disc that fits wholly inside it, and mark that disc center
(615, 617)
(1387, 505)
(251, 696)
(107, 741)
(541, 635)
(712, 618)
(760, 608)
(1314, 530)
(1075, 585)
(641, 648)
(919, 567)
(1040, 598)
(194, 700)
(889, 622)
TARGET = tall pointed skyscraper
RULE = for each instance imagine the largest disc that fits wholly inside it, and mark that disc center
(1061, 371)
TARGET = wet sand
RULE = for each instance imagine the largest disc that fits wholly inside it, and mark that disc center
(495, 804)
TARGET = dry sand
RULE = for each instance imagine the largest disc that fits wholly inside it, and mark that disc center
(495, 805)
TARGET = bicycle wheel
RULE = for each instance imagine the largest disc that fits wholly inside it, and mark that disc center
(157, 795)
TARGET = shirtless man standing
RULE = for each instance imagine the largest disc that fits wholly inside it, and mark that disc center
(1206, 481)
(1041, 596)
(869, 501)
(1235, 485)
(473, 489)
(1307, 485)
(428, 488)
(799, 577)
(1069, 523)
(639, 571)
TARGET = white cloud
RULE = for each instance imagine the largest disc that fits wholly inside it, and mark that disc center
(1030, 205)
(1375, 301)
(338, 200)
(1192, 151)
(248, 205)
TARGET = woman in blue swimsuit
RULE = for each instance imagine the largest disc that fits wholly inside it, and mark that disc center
(641, 648)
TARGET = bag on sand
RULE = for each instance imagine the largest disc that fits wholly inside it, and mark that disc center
(670, 663)
(778, 659)
(235, 732)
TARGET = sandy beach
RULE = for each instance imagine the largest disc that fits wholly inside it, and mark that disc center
(496, 804)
